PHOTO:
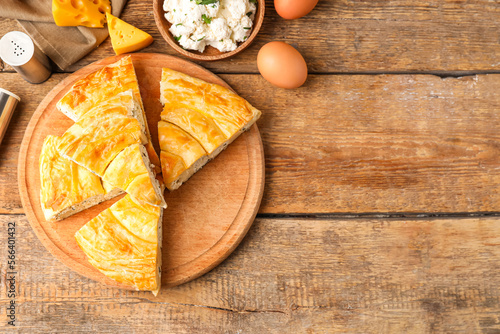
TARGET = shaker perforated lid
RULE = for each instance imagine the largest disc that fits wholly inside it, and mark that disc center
(16, 48)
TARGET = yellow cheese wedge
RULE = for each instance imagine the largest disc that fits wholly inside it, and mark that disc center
(87, 13)
(125, 37)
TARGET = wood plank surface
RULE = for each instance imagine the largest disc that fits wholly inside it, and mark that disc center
(368, 144)
(346, 143)
(287, 276)
(31, 96)
(362, 144)
(358, 36)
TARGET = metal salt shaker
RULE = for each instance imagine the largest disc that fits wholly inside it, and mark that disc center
(18, 50)
(8, 102)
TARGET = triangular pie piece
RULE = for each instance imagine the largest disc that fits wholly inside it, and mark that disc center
(106, 141)
(124, 243)
(65, 187)
(231, 113)
(99, 136)
(181, 155)
(100, 86)
(201, 127)
(130, 170)
(125, 102)
(213, 115)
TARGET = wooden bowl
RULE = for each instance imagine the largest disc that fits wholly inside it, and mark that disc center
(210, 53)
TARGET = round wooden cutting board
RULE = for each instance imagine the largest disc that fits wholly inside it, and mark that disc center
(206, 218)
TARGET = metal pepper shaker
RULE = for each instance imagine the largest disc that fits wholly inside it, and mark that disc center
(18, 50)
(8, 103)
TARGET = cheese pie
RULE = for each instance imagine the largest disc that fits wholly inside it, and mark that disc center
(102, 155)
(181, 155)
(230, 112)
(124, 243)
(106, 141)
(65, 187)
(100, 86)
(130, 171)
(97, 137)
(199, 126)
(212, 115)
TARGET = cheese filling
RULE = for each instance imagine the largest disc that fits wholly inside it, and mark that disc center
(219, 23)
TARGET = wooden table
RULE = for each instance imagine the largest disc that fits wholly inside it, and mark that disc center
(381, 211)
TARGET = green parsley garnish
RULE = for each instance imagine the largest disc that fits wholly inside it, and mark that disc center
(178, 24)
(253, 1)
(206, 19)
(249, 14)
(247, 28)
(201, 39)
(177, 38)
(206, 2)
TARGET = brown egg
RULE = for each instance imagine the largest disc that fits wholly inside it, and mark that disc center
(282, 65)
(294, 9)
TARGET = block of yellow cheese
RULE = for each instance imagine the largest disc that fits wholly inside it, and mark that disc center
(87, 13)
(125, 37)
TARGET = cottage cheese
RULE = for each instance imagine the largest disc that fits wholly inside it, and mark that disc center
(221, 24)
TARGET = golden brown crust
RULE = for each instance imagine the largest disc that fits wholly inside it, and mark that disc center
(213, 115)
(172, 167)
(97, 138)
(181, 155)
(229, 111)
(130, 172)
(65, 187)
(177, 141)
(100, 86)
(201, 127)
(122, 243)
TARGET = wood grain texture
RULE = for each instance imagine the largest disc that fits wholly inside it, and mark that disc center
(357, 36)
(287, 276)
(353, 144)
(30, 95)
(340, 144)
(206, 218)
(361, 144)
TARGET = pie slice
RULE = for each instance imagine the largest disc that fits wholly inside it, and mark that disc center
(125, 102)
(181, 155)
(99, 136)
(230, 112)
(100, 86)
(201, 127)
(211, 114)
(124, 243)
(130, 171)
(67, 188)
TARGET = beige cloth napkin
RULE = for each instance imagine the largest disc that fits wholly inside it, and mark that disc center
(64, 45)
